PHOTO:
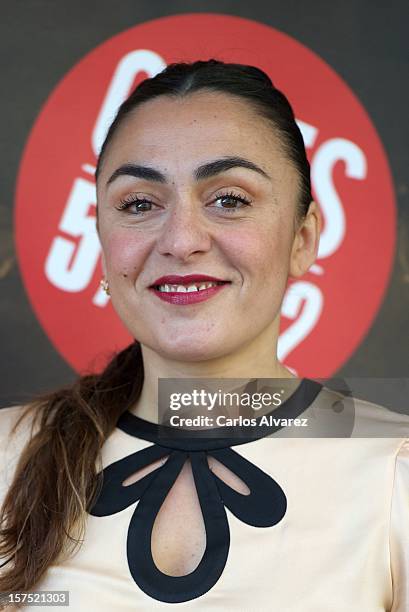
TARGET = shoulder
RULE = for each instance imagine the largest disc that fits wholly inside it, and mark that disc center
(13, 437)
(9, 418)
(9, 413)
(375, 420)
(358, 418)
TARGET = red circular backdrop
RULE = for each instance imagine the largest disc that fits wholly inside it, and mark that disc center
(326, 314)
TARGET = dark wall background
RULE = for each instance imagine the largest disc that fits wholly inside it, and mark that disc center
(366, 42)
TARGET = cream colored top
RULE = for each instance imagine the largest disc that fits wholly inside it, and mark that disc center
(342, 544)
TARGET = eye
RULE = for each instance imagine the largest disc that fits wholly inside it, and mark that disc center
(231, 203)
(232, 199)
(142, 204)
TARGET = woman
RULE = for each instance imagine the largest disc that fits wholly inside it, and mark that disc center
(203, 175)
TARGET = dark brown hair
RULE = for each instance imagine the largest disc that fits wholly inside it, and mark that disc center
(43, 516)
(246, 82)
(56, 478)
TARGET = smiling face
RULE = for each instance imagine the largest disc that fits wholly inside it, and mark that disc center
(166, 208)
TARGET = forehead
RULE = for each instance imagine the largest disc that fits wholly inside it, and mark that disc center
(182, 131)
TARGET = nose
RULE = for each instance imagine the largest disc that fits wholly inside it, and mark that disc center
(184, 232)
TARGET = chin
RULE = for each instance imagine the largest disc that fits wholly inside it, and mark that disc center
(190, 349)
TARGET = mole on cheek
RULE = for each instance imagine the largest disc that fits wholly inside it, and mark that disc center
(125, 275)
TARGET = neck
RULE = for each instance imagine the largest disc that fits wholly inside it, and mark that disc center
(255, 360)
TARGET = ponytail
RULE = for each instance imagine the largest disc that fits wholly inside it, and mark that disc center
(56, 478)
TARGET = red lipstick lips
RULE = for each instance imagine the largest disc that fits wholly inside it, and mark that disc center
(183, 298)
(173, 279)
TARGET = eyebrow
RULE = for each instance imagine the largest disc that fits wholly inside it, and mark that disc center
(202, 172)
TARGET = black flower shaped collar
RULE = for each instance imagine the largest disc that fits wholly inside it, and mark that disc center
(265, 506)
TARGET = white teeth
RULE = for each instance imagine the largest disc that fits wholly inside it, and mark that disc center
(184, 288)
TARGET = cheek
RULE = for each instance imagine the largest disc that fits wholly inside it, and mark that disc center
(260, 254)
(124, 252)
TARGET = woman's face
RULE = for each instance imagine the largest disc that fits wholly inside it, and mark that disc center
(191, 213)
